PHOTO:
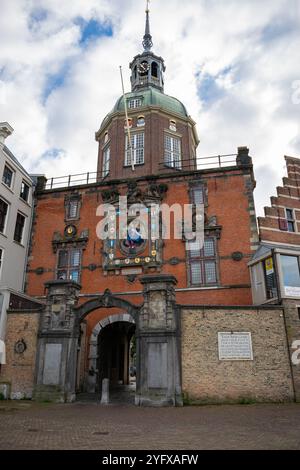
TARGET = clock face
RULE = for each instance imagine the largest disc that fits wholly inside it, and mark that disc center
(70, 231)
(143, 68)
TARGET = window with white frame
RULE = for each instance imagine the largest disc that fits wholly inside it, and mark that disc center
(291, 273)
(202, 262)
(24, 193)
(68, 264)
(106, 161)
(19, 228)
(3, 215)
(172, 151)
(135, 103)
(136, 150)
(8, 176)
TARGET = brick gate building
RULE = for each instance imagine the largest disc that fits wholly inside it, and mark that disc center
(182, 309)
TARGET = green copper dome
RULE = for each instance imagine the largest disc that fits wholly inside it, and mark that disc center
(150, 97)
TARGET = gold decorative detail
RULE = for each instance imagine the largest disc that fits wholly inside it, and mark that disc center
(153, 253)
(137, 260)
(147, 259)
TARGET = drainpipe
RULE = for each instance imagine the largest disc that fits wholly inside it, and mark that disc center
(274, 257)
(29, 239)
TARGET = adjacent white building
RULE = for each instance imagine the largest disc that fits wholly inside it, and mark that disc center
(16, 201)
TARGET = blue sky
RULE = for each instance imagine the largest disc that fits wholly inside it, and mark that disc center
(234, 65)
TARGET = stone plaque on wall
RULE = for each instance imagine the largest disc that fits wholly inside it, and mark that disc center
(52, 364)
(157, 365)
(235, 346)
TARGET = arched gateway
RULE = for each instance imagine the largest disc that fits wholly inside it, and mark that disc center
(157, 334)
(109, 352)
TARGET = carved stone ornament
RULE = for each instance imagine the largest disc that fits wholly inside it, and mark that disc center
(111, 195)
(20, 346)
(237, 256)
(61, 241)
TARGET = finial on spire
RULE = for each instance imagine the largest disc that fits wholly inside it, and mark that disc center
(147, 41)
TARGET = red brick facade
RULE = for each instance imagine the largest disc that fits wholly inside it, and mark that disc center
(274, 226)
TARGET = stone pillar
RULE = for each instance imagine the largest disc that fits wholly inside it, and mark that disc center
(158, 344)
(58, 344)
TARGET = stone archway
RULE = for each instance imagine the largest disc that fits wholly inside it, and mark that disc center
(107, 300)
(157, 340)
(92, 375)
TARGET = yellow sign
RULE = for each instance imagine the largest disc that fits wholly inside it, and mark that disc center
(269, 266)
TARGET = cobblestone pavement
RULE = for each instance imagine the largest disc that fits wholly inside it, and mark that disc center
(27, 425)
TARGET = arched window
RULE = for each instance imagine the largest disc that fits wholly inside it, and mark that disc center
(172, 125)
(135, 72)
(154, 70)
(106, 137)
(140, 121)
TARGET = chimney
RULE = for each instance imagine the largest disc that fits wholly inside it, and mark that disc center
(5, 131)
(243, 157)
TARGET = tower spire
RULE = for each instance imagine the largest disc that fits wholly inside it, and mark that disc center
(147, 40)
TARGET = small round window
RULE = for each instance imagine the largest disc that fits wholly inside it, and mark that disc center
(172, 126)
(140, 121)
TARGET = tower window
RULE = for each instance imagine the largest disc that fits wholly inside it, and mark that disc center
(19, 228)
(172, 151)
(137, 149)
(68, 264)
(140, 121)
(202, 262)
(135, 103)
(290, 218)
(106, 161)
(106, 137)
(172, 126)
(154, 70)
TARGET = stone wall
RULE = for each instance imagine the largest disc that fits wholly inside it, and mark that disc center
(21, 342)
(205, 378)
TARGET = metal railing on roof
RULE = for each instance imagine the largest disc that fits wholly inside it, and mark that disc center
(74, 180)
(202, 163)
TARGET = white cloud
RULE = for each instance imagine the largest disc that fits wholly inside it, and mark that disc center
(249, 50)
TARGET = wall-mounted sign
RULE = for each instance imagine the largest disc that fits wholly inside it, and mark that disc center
(235, 346)
(269, 266)
(292, 291)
